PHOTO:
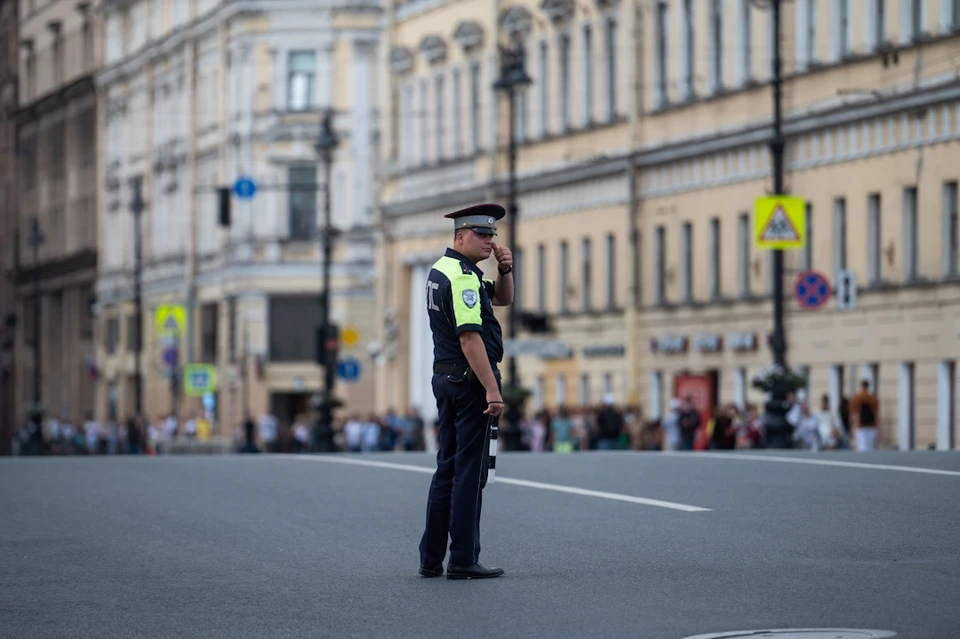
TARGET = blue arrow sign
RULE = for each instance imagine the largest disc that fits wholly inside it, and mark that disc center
(349, 370)
(244, 188)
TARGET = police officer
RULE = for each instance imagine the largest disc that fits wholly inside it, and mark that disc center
(467, 346)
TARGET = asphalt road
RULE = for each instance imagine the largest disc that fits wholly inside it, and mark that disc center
(280, 546)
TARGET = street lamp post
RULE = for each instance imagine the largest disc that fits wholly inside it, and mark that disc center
(136, 206)
(325, 146)
(779, 431)
(35, 239)
(513, 77)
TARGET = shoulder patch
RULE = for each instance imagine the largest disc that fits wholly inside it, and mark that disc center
(466, 269)
(470, 297)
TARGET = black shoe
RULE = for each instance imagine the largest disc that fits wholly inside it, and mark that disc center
(436, 571)
(476, 571)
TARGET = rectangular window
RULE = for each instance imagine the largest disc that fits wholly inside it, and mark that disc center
(563, 273)
(880, 25)
(839, 236)
(560, 388)
(455, 111)
(716, 45)
(611, 271)
(746, 32)
(955, 18)
(874, 246)
(951, 264)
(745, 237)
(541, 278)
(584, 389)
(438, 117)
(689, 50)
(301, 71)
(302, 182)
(564, 82)
(811, 52)
(587, 75)
(611, 66)
(906, 407)
(543, 83)
(407, 118)
(661, 59)
(946, 404)
(587, 275)
(715, 258)
(911, 256)
(661, 264)
(422, 121)
(209, 335)
(520, 116)
(916, 19)
(686, 250)
(475, 107)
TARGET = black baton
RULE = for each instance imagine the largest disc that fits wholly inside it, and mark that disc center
(493, 424)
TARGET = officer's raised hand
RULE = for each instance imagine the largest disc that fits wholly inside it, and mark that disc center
(503, 255)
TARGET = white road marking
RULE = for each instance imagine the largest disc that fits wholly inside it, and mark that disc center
(507, 480)
(816, 462)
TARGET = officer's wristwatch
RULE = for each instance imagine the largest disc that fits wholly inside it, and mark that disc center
(502, 272)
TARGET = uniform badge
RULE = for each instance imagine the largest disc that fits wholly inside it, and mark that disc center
(470, 297)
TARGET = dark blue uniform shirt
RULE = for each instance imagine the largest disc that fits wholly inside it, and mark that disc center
(459, 300)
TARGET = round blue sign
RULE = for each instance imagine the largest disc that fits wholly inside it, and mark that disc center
(349, 369)
(812, 290)
(170, 356)
(244, 188)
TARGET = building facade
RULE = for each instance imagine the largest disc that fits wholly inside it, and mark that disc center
(638, 175)
(445, 144)
(57, 225)
(9, 68)
(196, 95)
(872, 120)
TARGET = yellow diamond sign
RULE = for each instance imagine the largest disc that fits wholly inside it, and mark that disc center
(171, 321)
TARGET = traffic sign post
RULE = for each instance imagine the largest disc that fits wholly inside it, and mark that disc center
(779, 222)
(245, 188)
(348, 370)
(847, 290)
(812, 290)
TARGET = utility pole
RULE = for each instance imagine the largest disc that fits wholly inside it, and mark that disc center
(136, 206)
(326, 335)
(779, 431)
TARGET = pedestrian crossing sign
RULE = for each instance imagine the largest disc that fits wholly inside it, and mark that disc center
(171, 321)
(199, 379)
(779, 222)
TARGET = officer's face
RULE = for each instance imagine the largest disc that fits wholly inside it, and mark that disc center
(476, 246)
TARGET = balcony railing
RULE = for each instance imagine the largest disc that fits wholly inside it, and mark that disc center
(58, 65)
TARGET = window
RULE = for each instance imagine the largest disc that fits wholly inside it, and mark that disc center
(951, 229)
(743, 270)
(611, 271)
(880, 22)
(874, 245)
(587, 75)
(689, 50)
(543, 87)
(520, 115)
(715, 79)
(300, 79)
(746, 44)
(584, 389)
(422, 120)
(661, 264)
(841, 44)
(133, 334)
(806, 258)
(715, 258)
(564, 82)
(686, 250)
(475, 106)
(946, 404)
(916, 19)
(209, 321)
(541, 278)
(563, 277)
(406, 123)
(811, 41)
(906, 406)
(911, 257)
(560, 389)
(438, 117)
(611, 66)
(955, 18)
(661, 59)
(303, 201)
(587, 275)
(457, 106)
(839, 236)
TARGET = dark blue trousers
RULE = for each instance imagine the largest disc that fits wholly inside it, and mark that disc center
(454, 501)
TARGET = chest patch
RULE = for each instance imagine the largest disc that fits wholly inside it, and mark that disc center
(470, 297)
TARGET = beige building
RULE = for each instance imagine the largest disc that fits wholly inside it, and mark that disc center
(57, 151)
(196, 95)
(638, 174)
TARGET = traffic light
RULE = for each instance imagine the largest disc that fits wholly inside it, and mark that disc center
(328, 346)
(223, 194)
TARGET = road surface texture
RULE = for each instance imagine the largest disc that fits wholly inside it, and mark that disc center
(619, 544)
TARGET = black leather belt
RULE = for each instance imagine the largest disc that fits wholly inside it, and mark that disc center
(460, 369)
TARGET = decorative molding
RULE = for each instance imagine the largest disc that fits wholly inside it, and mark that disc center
(401, 60)
(433, 48)
(469, 35)
(605, 6)
(516, 21)
(560, 12)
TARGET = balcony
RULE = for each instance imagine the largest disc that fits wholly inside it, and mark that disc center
(68, 60)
